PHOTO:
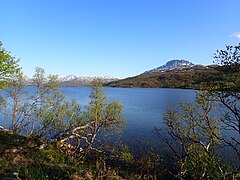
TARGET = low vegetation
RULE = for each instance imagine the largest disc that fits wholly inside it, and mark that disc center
(197, 77)
(25, 157)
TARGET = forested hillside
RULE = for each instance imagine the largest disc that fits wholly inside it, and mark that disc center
(193, 78)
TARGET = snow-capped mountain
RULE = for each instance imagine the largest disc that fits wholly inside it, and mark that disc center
(83, 78)
(67, 78)
(173, 64)
(73, 80)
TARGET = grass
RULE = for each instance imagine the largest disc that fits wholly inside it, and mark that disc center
(19, 154)
(22, 155)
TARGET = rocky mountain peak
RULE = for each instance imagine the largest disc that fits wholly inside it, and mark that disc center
(172, 64)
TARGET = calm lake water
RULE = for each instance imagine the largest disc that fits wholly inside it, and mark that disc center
(143, 110)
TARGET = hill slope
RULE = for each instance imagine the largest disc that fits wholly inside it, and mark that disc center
(192, 76)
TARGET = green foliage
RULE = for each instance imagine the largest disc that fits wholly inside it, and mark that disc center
(201, 164)
(103, 117)
(45, 113)
(227, 95)
(197, 135)
(4, 163)
(53, 156)
(126, 155)
(39, 76)
(96, 105)
(230, 61)
(8, 66)
(237, 175)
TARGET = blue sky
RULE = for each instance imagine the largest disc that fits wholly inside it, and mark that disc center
(117, 38)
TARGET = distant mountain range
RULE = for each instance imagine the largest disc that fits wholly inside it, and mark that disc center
(174, 74)
(73, 80)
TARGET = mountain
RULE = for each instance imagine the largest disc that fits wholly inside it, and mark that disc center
(73, 80)
(67, 78)
(170, 65)
(174, 74)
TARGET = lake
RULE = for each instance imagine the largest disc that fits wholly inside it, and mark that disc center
(143, 110)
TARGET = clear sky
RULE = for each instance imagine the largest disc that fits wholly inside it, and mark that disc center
(117, 38)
